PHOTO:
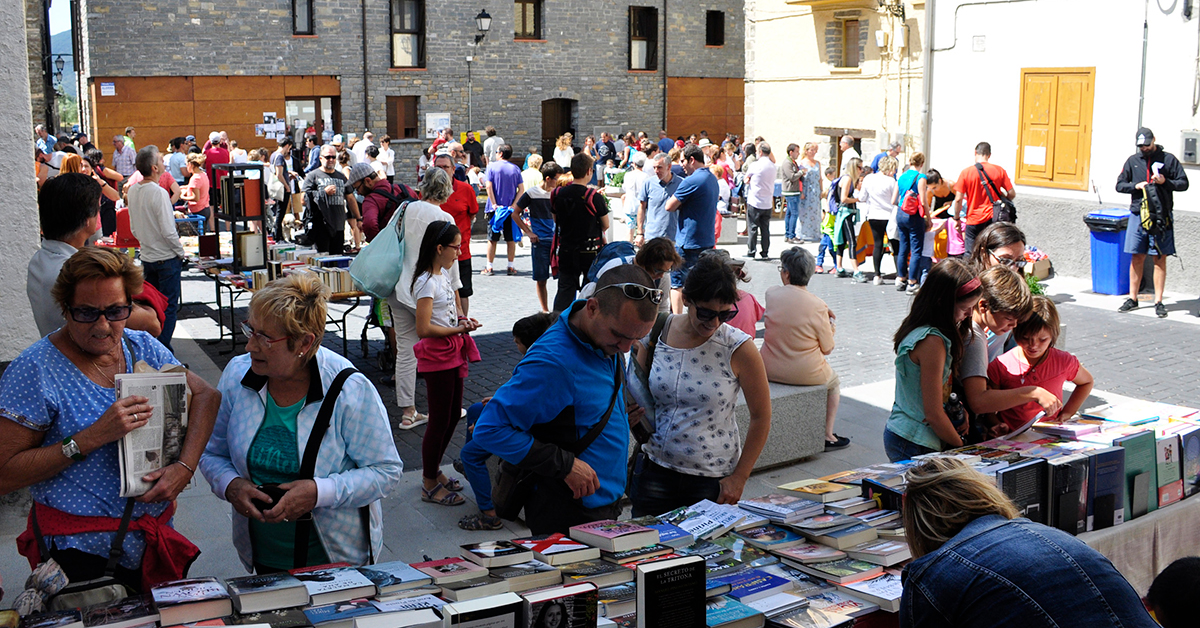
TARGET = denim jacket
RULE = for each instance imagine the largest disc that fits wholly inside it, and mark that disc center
(997, 572)
(357, 464)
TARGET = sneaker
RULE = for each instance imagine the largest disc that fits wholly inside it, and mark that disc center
(858, 277)
(911, 290)
(512, 271)
(901, 285)
(1160, 310)
(749, 255)
(900, 281)
(878, 281)
(843, 273)
(838, 442)
(820, 270)
(1128, 306)
(764, 257)
(487, 272)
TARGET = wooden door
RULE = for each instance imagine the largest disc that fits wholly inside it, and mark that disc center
(1054, 134)
(556, 120)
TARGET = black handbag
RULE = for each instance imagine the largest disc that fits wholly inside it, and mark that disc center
(106, 588)
(514, 486)
(308, 464)
(1003, 210)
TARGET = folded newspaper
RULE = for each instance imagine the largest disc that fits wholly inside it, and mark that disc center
(159, 442)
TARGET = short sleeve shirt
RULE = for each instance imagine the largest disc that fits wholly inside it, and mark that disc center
(577, 217)
(1008, 371)
(42, 390)
(541, 218)
(505, 178)
(698, 213)
(660, 223)
(437, 287)
(762, 184)
(978, 205)
(908, 410)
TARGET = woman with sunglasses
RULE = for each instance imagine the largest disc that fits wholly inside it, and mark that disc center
(60, 428)
(257, 459)
(700, 363)
(1001, 243)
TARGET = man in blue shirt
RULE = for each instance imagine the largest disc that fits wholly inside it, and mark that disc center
(665, 144)
(696, 202)
(654, 221)
(892, 151)
(504, 186)
(561, 389)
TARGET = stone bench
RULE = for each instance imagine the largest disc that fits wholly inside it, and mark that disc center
(797, 424)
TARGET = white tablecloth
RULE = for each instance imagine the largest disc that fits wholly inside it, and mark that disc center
(1141, 548)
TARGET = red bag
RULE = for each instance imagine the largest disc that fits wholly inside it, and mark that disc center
(911, 204)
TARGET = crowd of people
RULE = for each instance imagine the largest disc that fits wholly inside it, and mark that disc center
(300, 444)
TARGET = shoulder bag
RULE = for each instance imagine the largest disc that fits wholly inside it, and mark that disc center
(376, 269)
(1003, 210)
(514, 486)
(911, 204)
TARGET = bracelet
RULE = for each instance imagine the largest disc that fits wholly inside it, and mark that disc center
(185, 466)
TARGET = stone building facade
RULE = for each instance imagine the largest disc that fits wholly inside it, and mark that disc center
(37, 46)
(578, 61)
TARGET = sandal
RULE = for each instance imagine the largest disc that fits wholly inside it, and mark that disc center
(408, 422)
(479, 522)
(487, 272)
(452, 485)
(451, 499)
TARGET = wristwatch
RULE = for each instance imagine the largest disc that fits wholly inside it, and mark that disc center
(70, 449)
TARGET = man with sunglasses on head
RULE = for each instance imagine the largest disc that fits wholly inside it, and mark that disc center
(566, 396)
(328, 194)
(68, 210)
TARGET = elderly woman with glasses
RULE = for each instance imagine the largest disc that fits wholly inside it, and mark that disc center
(799, 334)
(697, 364)
(62, 426)
(297, 501)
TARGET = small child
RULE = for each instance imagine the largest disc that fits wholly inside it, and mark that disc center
(827, 222)
(472, 462)
(1035, 362)
(936, 226)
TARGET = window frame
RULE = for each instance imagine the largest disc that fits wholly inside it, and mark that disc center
(650, 37)
(419, 31)
(311, 22)
(850, 46)
(536, 34)
(709, 39)
(398, 105)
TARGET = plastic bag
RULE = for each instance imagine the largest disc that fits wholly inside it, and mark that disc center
(376, 268)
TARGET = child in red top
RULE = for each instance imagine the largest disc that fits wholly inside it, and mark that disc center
(1035, 362)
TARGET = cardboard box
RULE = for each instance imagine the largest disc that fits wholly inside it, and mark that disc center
(1039, 269)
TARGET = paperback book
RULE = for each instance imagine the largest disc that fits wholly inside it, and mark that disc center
(528, 575)
(809, 553)
(495, 553)
(598, 572)
(569, 606)
(339, 614)
(191, 599)
(395, 576)
(770, 537)
(614, 536)
(158, 442)
(335, 584)
(842, 571)
(820, 490)
(670, 593)
(123, 613)
(266, 592)
(725, 612)
(884, 590)
(558, 549)
(449, 570)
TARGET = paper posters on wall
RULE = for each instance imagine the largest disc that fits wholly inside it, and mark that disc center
(270, 135)
(108, 89)
(269, 118)
(258, 130)
(435, 123)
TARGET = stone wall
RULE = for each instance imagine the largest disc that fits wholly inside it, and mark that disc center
(35, 18)
(1056, 226)
(18, 212)
(687, 32)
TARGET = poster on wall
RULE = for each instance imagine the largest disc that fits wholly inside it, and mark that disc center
(258, 130)
(269, 119)
(108, 89)
(435, 123)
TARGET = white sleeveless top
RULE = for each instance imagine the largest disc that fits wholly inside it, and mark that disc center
(695, 393)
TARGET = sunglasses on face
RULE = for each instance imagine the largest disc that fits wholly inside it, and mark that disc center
(637, 292)
(1015, 264)
(91, 314)
(705, 314)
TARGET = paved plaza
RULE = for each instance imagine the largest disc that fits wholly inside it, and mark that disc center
(1134, 355)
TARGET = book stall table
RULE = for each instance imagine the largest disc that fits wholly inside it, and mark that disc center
(1142, 548)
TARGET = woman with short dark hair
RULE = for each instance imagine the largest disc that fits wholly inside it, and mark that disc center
(699, 365)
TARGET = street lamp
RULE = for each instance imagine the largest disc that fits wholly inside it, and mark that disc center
(59, 64)
(483, 22)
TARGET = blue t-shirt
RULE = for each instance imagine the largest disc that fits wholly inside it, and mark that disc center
(660, 223)
(177, 165)
(698, 214)
(666, 144)
(909, 180)
(42, 390)
(505, 178)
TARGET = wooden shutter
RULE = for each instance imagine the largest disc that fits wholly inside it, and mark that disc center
(651, 29)
(1054, 134)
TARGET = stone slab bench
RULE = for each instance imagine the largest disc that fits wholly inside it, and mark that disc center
(797, 424)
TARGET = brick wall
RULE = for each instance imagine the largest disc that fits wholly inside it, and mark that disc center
(584, 56)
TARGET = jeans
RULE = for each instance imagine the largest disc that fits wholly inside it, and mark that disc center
(791, 214)
(572, 270)
(898, 448)
(826, 245)
(758, 219)
(680, 273)
(164, 275)
(923, 269)
(912, 241)
(655, 490)
(969, 234)
(474, 461)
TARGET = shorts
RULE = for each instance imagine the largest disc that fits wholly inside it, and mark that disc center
(464, 275)
(541, 260)
(383, 312)
(506, 230)
(1138, 242)
(680, 273)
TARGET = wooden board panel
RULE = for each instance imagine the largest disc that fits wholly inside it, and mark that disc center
(298, 86)
(145, 114)
(158, 136)
(1036, 147)
(222, 88)
(1054, 127)
(147, 89)
(213, 115)
(327, 86)
(692, 86)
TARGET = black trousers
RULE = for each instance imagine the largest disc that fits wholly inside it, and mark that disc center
(325, 239)
(879, 234)
(572, 269)
(81, 566)
(553, 508)
(758, 219)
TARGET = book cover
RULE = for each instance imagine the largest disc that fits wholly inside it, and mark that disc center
(278, 618)
(695, 523)
(570, 606)
(778, 604)
(812, 618)
(450, 570)
(1190, 459)
(780, 504)
(842, 571)
(886, 496)
(617, 600)
(130, 611)
(614, 536)
(409, 604)
(557, 549)
(404, 594)
(770, 537)
(340, 613)
(1133, 412)
(187, 591)
(884, 590)
(723, 610)
(841, 538)
(1025, 483)
(416, 618)
(495, 553)
(394, 576)
(885, 552)
(1140, 493)
(820, 490)
(752, 584)
(1106, 488)
(506, 610)
(598, 572)
(669, 534)
(810, 553)
(727, 516)
(54, 619)
(255, 593)
(646, 561)
(1067, 483)
(850, 505)
(670, 593)
(838, 601)
(335, 584)
(746, 554)
(637, 553)
(526, 570)
(1170, 479)
(876, 517)
(609, 529)
(474, 588)
(803, 584)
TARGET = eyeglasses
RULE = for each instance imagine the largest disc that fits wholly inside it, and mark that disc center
(637, 292)
(705, 314)
(91, 314)
(328, 156)
(250, 332)
(456, 247)
(1015, 264)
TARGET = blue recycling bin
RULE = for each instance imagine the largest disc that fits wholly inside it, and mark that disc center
(1110, 262)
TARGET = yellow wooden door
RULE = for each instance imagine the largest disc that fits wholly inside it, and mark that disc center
(1038, 95)
(1054, 134)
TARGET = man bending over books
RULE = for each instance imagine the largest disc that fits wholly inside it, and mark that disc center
(63, 431)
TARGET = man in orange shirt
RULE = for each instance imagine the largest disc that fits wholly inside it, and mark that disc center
(970, 186)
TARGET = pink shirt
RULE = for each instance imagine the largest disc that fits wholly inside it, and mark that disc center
(1008, 371)
(749, 313)
(199, 184)
(954, 239)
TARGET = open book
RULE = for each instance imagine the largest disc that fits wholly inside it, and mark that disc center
(157, 443)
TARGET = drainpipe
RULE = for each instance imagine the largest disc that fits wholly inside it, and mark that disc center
(1145, 46)
(366, 103)
(927, 78)
(666, 31)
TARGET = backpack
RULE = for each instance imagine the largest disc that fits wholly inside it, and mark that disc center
(1156, 218)
(835, 194)
(610, 251)
(392, 201)
(596, 242)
